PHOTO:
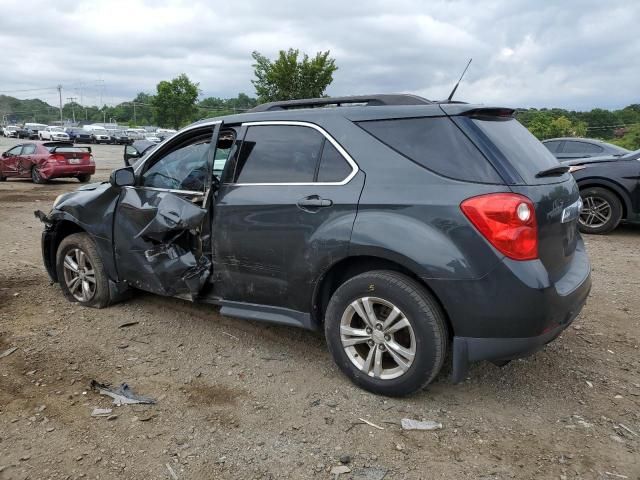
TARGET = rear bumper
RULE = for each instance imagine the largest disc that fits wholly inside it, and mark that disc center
(49, 171)
(514, 310)
(470, 349)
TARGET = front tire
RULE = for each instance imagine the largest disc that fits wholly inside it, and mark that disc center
(601, 211)
(81, 273)
(386, 333)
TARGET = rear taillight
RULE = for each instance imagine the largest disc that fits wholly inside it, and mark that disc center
(507, 221)
(57, 159)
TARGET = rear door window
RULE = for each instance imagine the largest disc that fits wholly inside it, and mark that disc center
(552, 146)
(437, 144)
(333, 167)
(521, 149)
(279, 154)
(582, 148)
(28, 149)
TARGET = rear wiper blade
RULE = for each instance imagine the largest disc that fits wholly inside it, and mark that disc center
(549, 172)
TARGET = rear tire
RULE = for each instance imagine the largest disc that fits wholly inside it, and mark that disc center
(601, 211)
(82, 281)
(36, 177)
(369, 351)
(84, 178)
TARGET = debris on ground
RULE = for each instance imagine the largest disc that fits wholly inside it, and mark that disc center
(370, 423)
(8, 352)
(123, 395)
(409, 424)
(128, 324)
(369, 473)
(171, 472)
(344, 459)
(340, 469)
(101, 412)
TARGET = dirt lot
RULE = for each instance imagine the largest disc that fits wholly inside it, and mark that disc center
(238, 399)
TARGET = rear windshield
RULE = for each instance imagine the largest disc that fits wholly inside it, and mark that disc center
(437, 144)
(524, 151)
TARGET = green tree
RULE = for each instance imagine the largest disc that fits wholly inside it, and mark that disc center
(540, 125)
(289, 78)
(175, 101)
(631, 139)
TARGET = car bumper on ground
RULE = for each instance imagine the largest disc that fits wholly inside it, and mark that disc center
(48, 171)
(516, 309)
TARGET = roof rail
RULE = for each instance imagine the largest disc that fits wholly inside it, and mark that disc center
(369, 100)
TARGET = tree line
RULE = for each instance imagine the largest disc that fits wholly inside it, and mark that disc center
(292, 75)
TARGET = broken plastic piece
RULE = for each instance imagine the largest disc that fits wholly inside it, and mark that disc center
(409, 424)
(101, 412)
(123, 395)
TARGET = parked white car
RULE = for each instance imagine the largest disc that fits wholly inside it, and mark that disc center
(10, 131)
(53, 133)
(152, 137)
(136, 133)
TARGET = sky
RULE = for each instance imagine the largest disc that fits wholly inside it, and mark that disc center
(575, 54)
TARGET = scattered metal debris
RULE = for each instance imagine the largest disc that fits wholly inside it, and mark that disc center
(229, 335)
(409, 424)
(123, 395)
(8, 352)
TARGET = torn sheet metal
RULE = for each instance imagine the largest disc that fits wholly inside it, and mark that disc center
(172, 213)
(158, 243)
(123, 395)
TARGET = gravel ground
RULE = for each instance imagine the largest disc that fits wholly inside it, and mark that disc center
(239, 399)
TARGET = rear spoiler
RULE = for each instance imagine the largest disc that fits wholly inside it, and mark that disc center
(477, 110)
(55, 149)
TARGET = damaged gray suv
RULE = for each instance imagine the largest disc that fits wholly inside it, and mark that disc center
(410, 231)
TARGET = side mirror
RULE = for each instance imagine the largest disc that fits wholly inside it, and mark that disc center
(123, 177)
(5, 154)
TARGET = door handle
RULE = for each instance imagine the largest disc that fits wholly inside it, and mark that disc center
(314, 202)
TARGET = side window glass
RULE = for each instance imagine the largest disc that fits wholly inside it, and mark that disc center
(28, 149)
(582, 147)
(552, 146)
(333, 166)
(182, 169)
(278, 154)
(15, 150)
(225, 142)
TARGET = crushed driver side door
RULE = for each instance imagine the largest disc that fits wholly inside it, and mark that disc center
(159, 223)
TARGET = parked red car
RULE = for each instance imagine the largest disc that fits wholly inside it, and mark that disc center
(42, 161)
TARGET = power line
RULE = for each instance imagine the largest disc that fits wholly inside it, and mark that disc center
(29, 90)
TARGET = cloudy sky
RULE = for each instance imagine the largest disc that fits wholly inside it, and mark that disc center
(576, 54)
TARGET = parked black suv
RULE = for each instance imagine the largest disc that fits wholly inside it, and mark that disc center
(406, 229)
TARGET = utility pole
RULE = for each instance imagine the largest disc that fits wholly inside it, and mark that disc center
(72, 100)
(134, 114)
(60, 95)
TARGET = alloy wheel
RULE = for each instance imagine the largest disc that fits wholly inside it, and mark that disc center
(79, 275)
(378, 338)
(596, 212)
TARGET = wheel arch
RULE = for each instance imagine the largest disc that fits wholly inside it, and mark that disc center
(349, 267)
(614, 188)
